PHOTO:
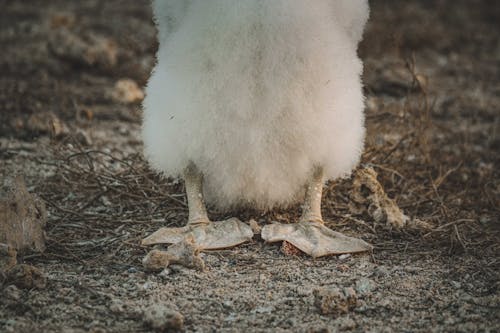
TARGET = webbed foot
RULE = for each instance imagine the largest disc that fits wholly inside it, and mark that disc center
(314, 238)
(206, 236)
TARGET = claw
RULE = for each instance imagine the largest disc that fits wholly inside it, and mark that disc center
(314, 239)
(206, 236)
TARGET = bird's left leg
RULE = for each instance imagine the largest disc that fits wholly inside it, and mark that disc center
(310, 233)
(206, 235)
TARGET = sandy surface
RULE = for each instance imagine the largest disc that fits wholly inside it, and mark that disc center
(432, 84)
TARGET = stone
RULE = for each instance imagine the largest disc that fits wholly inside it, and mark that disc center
(256, 228)
(335, 301)
(381, 272)
(127, 91)
(364, 286)
(12, 293)
(184, 253)
(83, 137)
(46, 122)
(163, 318)
(22, 218)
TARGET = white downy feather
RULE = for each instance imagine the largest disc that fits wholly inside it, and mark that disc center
(256, 93)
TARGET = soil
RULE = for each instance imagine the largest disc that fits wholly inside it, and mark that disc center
(70, 125)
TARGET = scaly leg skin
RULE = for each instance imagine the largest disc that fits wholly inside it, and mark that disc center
(310, 235)
(207, 235)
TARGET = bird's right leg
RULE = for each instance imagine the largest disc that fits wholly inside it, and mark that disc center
(310, 234)
(207, 235)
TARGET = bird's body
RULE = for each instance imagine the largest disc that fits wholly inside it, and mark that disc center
(260, 101)
(256, 93)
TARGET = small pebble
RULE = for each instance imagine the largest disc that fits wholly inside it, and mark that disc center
(412, 269)
(485, 220)
(303, 291)
(334, 301)
(384, 303)
(165, 273)
(12, 293)
(381, 271)
(228, 304)
(346, 323)
(184, 253)
(117, 306)
(256, 228)
(344, 256)
(343, 268)
(163, 318)
(146, 285)
(83, 137)
(264, 309)
(127, 91)
(364, 286)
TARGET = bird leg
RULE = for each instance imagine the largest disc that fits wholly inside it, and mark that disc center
(207, 235)
(310, 234)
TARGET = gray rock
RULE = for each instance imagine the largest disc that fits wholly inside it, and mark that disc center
(334, 301)
(12, 293)
(381, 272)
(364, 286)
(163, 318)
(22, 217)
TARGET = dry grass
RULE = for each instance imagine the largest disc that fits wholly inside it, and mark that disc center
(101, 204)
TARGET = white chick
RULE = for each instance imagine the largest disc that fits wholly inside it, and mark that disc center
(260, 102)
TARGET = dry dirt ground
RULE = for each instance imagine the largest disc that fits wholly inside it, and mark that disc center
(432, 80)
